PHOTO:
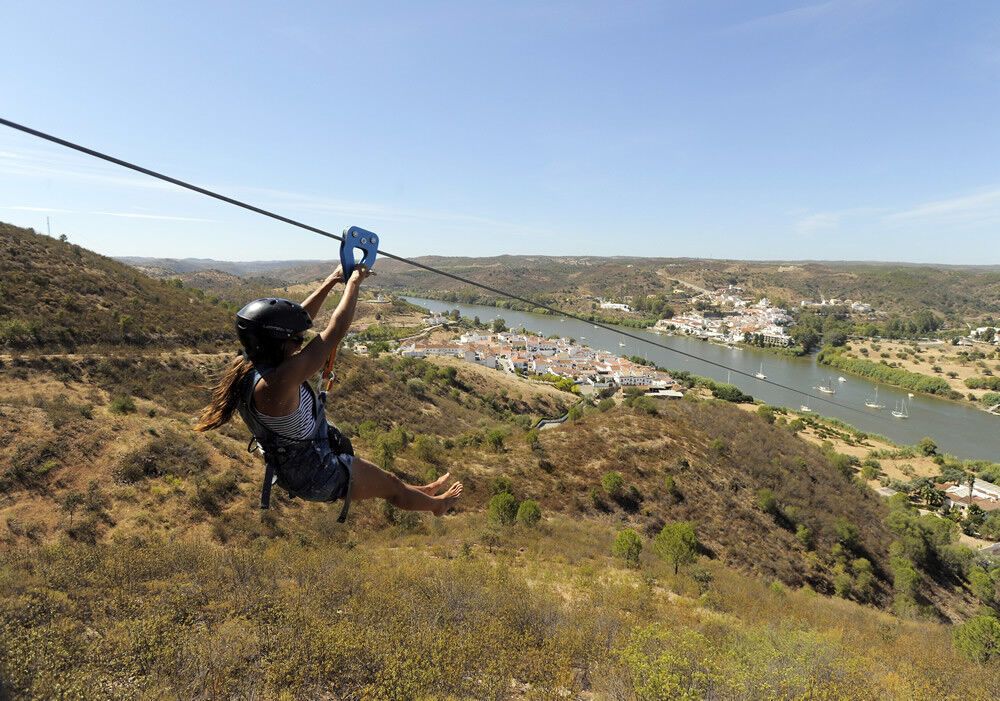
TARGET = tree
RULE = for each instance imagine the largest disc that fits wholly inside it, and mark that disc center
(677, 543)
(502, 509)
(847, 533)
(978, 639)
(529, 513)
(499, 325)
(613, 484)
(927, 446)
(767, 502)
(628, 547)
(495, 439)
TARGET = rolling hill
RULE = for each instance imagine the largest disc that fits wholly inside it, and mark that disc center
(59, 294)
(133, 562)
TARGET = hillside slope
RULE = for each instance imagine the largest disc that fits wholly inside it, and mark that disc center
(58, 293)
(64, 428)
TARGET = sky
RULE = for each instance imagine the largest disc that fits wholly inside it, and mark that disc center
(771, 129)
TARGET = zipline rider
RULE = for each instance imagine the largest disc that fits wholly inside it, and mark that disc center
(269, 387)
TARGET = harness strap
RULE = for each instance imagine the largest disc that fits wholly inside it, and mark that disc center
(347, 496)
(265, 492)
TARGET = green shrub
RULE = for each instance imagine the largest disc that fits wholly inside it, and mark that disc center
(767, 502)
(495, 440)
(501, 485)
(990, 383)
(122, 404)
(173, 453)
(529, 513)
(428, 449)
(416, 387)
(731, 393)
(677, 543)
(613, 484)
(502, 510)
(628, 547)
(978, 639)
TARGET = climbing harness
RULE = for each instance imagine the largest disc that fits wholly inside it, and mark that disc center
(301, 466)
(413, 263)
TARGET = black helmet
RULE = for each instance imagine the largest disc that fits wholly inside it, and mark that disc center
(264, 324)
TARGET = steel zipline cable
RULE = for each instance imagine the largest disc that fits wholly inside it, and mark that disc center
(401, 259)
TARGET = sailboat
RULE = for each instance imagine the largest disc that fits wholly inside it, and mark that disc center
(900, 411)
(873, 403)
(827, 388)
(760, 373)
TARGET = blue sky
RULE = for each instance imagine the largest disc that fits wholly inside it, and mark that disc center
(846, 129)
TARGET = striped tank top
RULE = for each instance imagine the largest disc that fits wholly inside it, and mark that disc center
(299, 425)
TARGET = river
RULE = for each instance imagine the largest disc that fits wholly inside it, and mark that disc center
(958, 429)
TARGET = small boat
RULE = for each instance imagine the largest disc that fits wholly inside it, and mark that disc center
(841, 379)
(900, 411)
(873, 403)
(805, 410)
(760, 373)
(827, 388)
(620, 343)
(910, 395)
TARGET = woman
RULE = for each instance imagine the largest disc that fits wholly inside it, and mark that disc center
(269, 387)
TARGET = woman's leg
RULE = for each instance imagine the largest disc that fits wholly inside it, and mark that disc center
(369, 481)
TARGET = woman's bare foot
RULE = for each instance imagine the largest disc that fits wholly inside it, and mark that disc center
(447, 500)
(434, 487)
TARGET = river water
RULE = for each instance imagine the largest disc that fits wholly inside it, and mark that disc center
(958, 429)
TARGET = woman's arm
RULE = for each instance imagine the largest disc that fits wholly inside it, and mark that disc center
(315, 300)
(278, 393)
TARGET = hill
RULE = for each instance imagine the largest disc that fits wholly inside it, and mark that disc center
(56, 293)
(116, 519)
(957, 293)
(133, 562)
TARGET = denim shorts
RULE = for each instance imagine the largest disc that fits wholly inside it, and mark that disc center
(337, 482)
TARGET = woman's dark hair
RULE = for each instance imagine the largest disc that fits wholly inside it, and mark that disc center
(225, 396)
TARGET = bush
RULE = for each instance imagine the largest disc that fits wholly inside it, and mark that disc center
(613, 484)
(768, 502)
(847, 533)
(175, 454)
(628, 547)
(416, 387)
(731, 393)
(529, 513)
(122, 404)
(495, 440)
(428, 449)
(606, 404)
(502, 510)
(677, 543)
(804, 536)
(501, 485)
(978, 639)
(990, 383)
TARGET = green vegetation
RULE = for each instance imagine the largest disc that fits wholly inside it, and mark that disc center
(677, 543)
(990, 383)
(59, 295)
(628, 547)
(889, 375)
(529, 513)
(503, 509)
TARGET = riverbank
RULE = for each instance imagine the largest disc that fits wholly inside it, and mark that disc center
(906, 365)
